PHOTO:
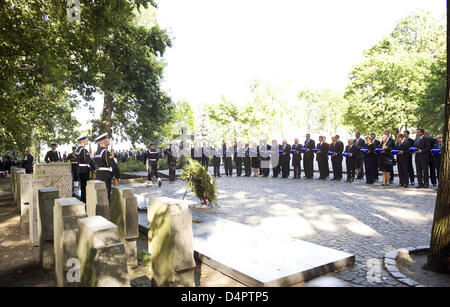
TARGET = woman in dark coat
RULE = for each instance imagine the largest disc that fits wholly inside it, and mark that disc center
(385, 157)
(255, 158)
(370, 161)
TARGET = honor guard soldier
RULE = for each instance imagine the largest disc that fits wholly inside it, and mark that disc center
(172, 161)
(74, 167)
(53, 155)
(151, 160)
(106, 167)
(85, 165)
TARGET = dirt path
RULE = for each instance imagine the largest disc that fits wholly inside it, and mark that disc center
(19, 265)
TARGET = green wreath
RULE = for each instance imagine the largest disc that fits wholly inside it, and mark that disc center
(200, 182)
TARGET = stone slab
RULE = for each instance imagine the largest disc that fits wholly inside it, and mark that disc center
(66, 213)
(102, 256)
(96, 199)
(124, 212)
(46, 198)
(55, 175)
(34, 214)
(170, 240)
(259, 259)
(25, 187)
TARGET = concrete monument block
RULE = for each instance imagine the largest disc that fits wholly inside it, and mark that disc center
(97, 199)
(34, 213)
(57, 175)
(124, 213)
(170, 239)
(16, 195)
(25, 187)
(66, 212)
(46, 198)
(102, 256)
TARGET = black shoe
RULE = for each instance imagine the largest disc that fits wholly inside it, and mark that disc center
(419, 187)
(159, 183)
(406, 186)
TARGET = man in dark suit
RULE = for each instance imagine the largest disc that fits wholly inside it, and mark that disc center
(308, 157)
(238, 158)
(359, 143)
(296, 159)
(205, 155)
(390, 143)
(432, 159)
(285, 159)
(351, 151)
(377, 144)
(227, 162)
(27, 162)
(410, 142)
(422, 158)
(322, 158)
(336, 158)
(402, 160)
(247, 161)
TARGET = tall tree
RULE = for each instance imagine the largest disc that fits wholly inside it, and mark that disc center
(387, 87)
(439, 253)
(124, 63)
(35, 104)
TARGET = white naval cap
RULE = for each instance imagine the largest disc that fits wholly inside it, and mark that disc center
(101, 137)
(82, 137)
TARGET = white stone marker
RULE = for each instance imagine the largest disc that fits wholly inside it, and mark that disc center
(17, 173)
(66, 212)
(124, 214)
(25, 187)
(34, 211)
(102, 256)
(47, 198)
(170, 238)
(97, 199)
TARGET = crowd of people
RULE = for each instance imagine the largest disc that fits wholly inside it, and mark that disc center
(364, 157)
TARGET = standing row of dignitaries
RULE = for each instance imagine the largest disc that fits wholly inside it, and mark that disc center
(365, 157)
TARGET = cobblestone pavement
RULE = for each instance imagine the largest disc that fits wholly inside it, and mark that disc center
(366, 220)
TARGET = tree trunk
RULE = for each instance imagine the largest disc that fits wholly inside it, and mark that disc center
(105, 126)
(439, 253)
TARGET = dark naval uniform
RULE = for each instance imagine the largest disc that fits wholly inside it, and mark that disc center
(172, 161)
(85, 165)
(27, 163)
(52, 156)
(106, 168)
(152, 155)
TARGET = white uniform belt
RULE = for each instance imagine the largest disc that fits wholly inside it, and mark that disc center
(84, 165)
(109, 169)
(74, 162)
(153, 160)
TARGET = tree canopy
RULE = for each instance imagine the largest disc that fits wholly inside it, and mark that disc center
(401, 78)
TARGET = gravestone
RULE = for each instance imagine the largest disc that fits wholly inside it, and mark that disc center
(102, 256)
(34, 213)
(170, 239)
(46, 201)
(124, 213)
(12, 169)
(16, 174)
(97, 199)
(66, 212)
(25, 187)
(57, 175)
